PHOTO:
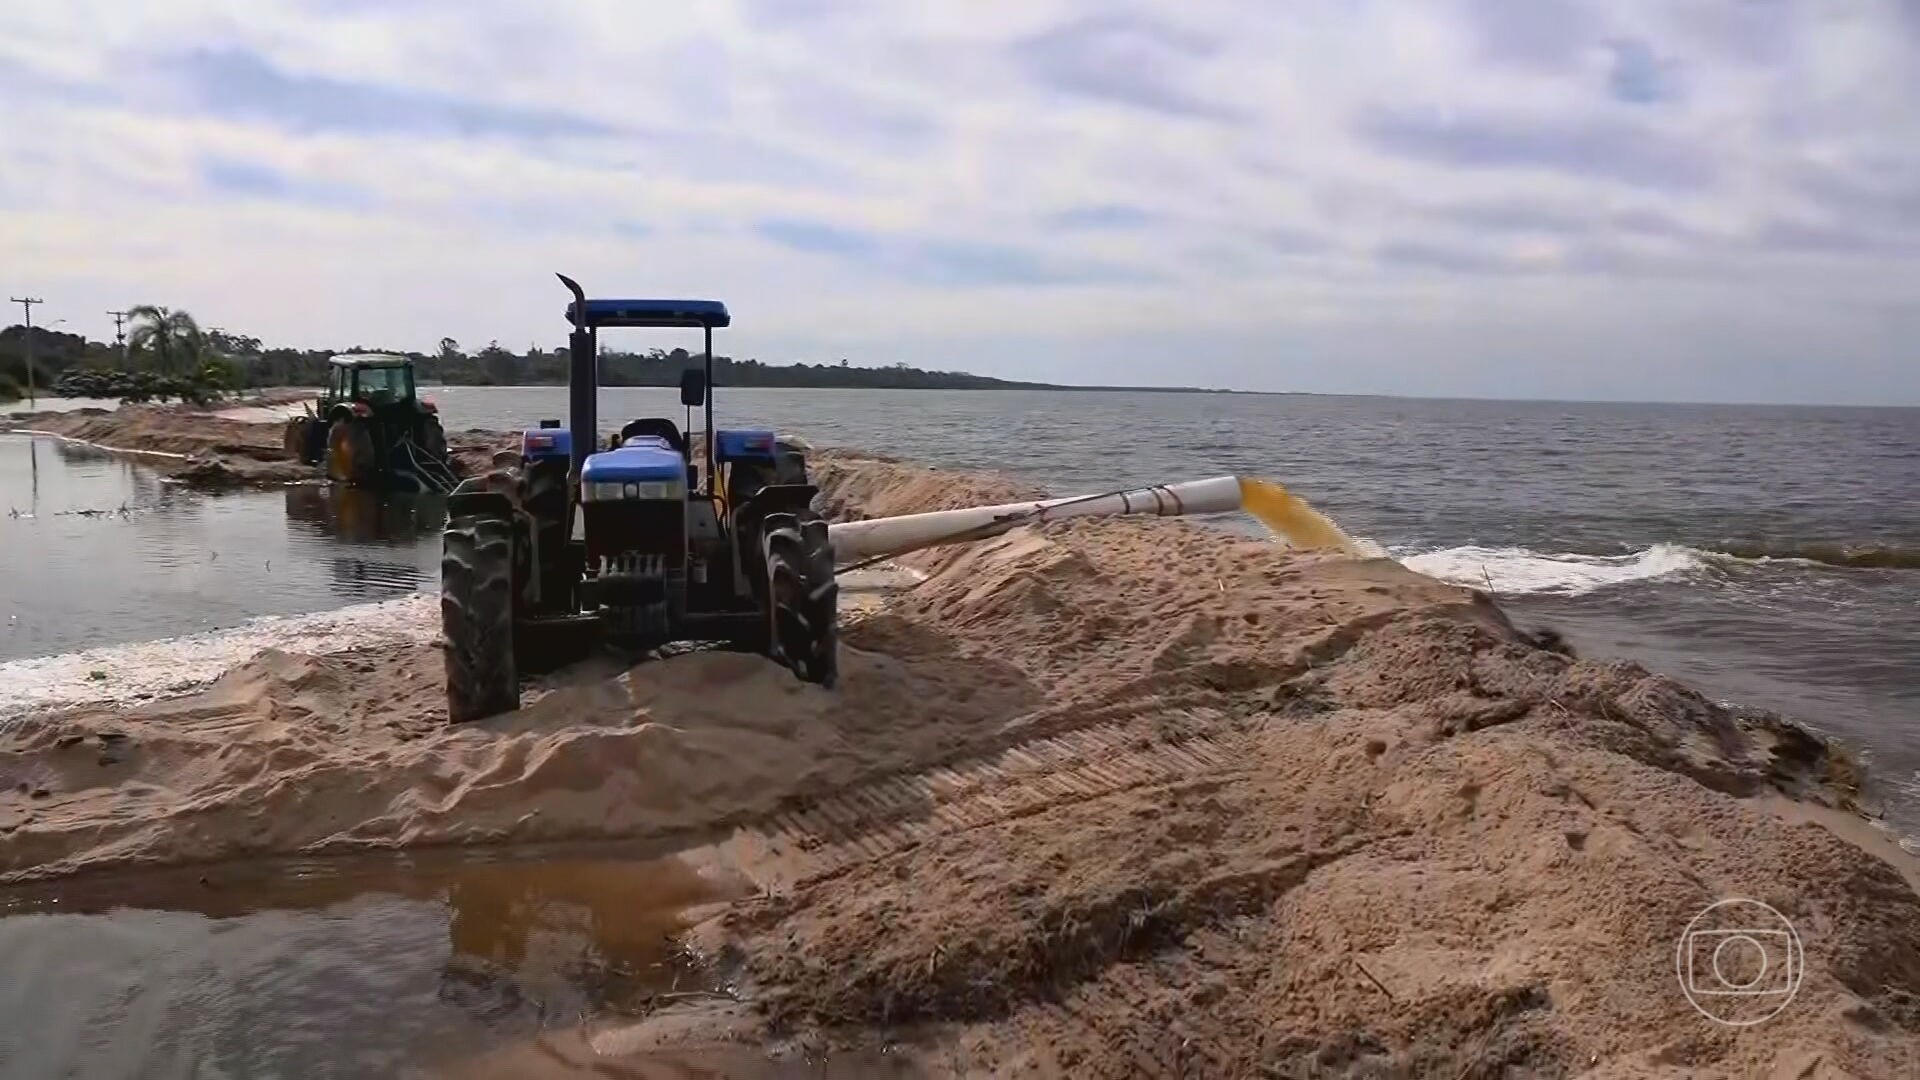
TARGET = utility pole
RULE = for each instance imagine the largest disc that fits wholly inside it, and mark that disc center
(26, 304)
(120, 336)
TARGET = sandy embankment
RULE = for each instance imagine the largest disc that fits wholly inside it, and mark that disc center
(216, 447)
(1097, 799)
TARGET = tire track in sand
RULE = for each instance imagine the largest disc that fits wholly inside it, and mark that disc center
(826, 835)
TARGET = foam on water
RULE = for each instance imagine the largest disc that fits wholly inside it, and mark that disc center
(153, 668)
(1512, 571)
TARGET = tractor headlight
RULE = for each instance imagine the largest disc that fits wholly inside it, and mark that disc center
(614, 490)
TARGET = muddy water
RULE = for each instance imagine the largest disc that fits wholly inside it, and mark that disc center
(366, 967)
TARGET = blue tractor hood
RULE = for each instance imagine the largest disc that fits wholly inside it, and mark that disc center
(642, 458)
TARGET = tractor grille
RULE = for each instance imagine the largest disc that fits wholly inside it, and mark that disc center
(622, 528)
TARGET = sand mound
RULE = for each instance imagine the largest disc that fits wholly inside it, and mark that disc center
(1099, 798)
(1388, 835)
(315, 754)
(855, 486)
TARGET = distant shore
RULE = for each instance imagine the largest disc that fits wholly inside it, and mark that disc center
(987, 384)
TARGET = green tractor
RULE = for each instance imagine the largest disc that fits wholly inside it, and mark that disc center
(371, 429)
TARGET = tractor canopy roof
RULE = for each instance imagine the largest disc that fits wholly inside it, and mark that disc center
(370, 359)
(655, 313)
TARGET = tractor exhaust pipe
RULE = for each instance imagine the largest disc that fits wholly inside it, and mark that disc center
(1282, 512)
(583, 380)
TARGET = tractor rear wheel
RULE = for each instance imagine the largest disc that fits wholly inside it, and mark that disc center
(350, 458)
(803, 598)
(476, 617)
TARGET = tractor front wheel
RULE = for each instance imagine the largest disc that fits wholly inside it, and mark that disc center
(350, 458)
(299, 432)
(476, 617)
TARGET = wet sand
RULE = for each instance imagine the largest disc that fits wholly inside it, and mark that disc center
(1100, 798)
(238, 444)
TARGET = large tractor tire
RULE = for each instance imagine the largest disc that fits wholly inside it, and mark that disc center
(432, 440)
(476, 617)
(542, 496)
(298, 436)
(803, 598)
(350, 454)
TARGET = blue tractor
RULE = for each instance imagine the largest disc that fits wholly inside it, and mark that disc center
(642, 539)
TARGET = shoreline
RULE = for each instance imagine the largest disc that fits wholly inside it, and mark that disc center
(1092, 797)
(216, 447)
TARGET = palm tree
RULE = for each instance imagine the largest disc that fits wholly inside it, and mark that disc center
(176, 340)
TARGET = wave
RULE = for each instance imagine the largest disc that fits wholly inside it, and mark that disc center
(154, 668)
(1832, 553)
(1515, 571)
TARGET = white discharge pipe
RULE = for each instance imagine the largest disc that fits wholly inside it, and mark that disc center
(856, 540)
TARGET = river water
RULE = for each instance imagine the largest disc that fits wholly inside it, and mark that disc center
(1770, 556)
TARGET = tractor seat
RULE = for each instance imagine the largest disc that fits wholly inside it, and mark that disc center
(658, 427)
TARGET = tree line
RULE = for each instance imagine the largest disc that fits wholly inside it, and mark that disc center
(168, 353)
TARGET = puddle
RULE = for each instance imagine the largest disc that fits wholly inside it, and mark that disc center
(351, 968)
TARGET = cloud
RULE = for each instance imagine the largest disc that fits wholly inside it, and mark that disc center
(1562, 219)
(1882, 190)
(785, 12)
(1638, 76)
(1518, 215)
(940, 262)
(816, 238)
(241, 84)
(1421, 255)
(846, 115)
(1802, 236)
(1431, 193)
(1103, 216)
(1547, 34)
(1652, 223)
(1287, 240)
(962, 263)
(247, 179)
(20, 82)
(1124, 60)
(1629, 154)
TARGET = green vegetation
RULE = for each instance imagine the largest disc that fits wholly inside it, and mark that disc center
(169, 355)
(171, 338)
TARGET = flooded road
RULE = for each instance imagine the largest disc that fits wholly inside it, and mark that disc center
(362, 967)
(99, 550)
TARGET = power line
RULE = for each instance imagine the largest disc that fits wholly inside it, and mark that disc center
(120, 334)
(26, 304)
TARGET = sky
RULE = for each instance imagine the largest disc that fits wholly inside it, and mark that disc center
(1622, 199)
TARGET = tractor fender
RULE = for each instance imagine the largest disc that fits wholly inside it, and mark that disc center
(474, 498)
(779, 499)
(778, 528)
